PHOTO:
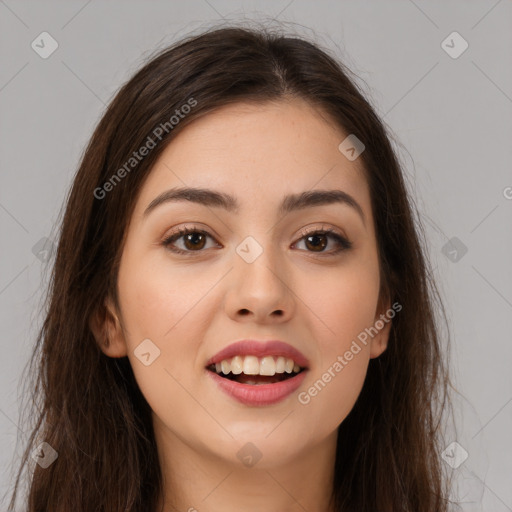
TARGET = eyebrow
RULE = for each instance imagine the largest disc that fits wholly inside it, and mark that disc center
(290, 203)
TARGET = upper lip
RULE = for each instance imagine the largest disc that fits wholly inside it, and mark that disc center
(260, 349)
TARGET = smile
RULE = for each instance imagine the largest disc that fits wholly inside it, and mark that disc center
(260, 393)
(256, 370)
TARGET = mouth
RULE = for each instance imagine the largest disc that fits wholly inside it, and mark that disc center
(256, 371)
(254, 389)
(254, 376)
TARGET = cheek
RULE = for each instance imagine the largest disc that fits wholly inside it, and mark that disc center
(330, 394)
(162, 304)
(158, 299)
(343, 306)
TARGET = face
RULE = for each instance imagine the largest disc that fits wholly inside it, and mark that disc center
(270, 268)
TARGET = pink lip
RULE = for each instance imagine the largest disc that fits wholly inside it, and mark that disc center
(263, 394)
(260, 349)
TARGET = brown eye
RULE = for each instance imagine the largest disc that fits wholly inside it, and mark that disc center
(317, 242)
(187, 241)
(194, 241)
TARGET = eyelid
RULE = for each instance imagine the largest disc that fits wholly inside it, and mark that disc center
(329, 229)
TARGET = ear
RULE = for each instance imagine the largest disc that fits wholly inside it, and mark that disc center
(382, 323)
(106, 328)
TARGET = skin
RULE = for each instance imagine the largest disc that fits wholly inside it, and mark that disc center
(191, 306)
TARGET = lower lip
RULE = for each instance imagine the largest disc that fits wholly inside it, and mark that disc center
(261, 394)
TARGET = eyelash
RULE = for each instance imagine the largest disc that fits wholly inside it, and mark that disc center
(343, 243)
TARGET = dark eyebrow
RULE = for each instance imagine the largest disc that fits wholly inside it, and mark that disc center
(207, 197)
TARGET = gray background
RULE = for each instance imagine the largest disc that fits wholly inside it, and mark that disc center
(451, 116)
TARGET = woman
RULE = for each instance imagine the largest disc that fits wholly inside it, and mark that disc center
(241, 315)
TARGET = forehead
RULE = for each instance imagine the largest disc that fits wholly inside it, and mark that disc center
(258, 152)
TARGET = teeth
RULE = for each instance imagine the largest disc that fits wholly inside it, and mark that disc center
(237, 365)
(225, 367)
(252, 365)
(267, 366)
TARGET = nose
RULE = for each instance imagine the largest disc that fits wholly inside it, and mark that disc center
(259, 292)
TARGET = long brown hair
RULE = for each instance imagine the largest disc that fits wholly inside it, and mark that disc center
(88, 406)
